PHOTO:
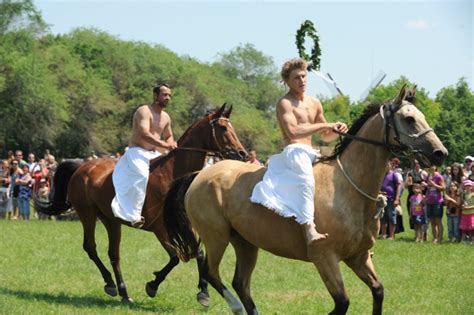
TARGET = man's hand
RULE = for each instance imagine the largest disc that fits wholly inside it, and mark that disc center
(339, 127)
(172, 145)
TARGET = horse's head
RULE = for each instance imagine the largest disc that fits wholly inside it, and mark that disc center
(223, 137)
(409, 129)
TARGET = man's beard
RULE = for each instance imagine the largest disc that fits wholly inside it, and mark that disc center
(162, 104)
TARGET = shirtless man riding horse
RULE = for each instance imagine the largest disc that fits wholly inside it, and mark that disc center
(151, 137)
(288, 185)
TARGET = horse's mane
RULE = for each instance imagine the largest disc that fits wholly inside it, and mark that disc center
(369, 111)
(156, 162)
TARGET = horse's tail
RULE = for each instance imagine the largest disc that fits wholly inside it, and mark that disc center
(58, 203)
(180, 233)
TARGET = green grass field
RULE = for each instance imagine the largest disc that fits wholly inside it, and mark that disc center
(43, 270)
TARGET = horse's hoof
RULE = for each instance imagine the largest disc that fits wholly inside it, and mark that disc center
(110, 290)
(203, 299)
(150, 291)
(127, 300)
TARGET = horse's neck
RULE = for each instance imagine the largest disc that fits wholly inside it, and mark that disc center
(190, 160)
(365, 163)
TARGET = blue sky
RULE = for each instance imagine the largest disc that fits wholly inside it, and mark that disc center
(430, 42)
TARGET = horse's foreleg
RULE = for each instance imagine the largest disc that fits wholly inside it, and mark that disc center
(114, 232)
(151, 287)
(330, 272)
(203, 294)
(364, 269)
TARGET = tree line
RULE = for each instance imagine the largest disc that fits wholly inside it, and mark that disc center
(76, 93)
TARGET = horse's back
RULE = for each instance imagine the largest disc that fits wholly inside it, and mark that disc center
(225, 189)
(91, 185)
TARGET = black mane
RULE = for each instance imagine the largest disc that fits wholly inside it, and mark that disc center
(369, 111)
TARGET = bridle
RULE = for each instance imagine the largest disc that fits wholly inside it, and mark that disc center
(397, 149)
(220, 152)
(387, 112)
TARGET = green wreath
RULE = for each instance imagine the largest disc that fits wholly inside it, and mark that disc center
(307, 29)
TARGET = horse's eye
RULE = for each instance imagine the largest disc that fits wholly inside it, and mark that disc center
(410, 120)
(223, 128)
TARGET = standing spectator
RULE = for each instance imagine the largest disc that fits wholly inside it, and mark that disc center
(434, 202)
(471, 172)
(38, 175)
(253, 158)
(10, 156)
(33, 165)
(5, 202)
(467, 165)
(453, 206)
(447, 178)
(15, 173)
(41, 172)
(51, 165)
(457, 174)
(399, 176)
(417, 212)
(19, 158)
(414, 176)
(24, 195)
(391, 187)
(467, 216)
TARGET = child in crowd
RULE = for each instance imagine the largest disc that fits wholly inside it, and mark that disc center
(467, 217)
(453, 206)
(417, 212)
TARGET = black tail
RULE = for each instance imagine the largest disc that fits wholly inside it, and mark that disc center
(177, 223)
(57, 203)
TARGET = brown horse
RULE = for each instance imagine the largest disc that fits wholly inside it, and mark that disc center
(218, 206)
(89, 190)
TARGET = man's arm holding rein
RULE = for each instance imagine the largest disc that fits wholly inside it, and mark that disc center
(290, 125)
(327, 135)
(142, 116)
(168, 132)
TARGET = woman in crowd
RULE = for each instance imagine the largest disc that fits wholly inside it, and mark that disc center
(434, 202)
(24, 195)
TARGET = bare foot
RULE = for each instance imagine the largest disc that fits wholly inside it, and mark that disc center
(315, 237)
(138, 223)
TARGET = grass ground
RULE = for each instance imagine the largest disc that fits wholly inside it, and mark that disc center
(43, 270)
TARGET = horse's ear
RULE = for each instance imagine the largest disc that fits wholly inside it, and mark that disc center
(402, 95)
(411, 95)
(220, 111)
(227, 112)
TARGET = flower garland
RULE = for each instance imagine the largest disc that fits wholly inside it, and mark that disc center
(307, 29)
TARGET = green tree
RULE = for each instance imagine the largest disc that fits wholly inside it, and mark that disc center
(454, 127)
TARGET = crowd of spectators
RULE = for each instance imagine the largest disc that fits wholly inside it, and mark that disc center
(20, 180)
(431, 194)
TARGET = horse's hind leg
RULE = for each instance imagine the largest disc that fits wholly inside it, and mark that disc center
(114, 232)
(203, 294)
(328, 267)
(246, 255)
(90, 247)
(215, 247)
(364, 269)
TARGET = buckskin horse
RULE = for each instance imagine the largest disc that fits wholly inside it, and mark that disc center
(88, 188)
(217, 204)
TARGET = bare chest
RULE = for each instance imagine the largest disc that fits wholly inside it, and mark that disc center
(158, 122)
(304, 114)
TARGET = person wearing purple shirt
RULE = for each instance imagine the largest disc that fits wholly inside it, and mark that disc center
(434, 202)
(391, 188)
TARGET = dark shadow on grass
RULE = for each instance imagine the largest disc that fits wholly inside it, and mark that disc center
(81, 301)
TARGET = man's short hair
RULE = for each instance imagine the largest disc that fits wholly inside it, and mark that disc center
(290, 65)
(156, 89)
